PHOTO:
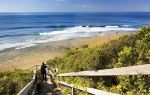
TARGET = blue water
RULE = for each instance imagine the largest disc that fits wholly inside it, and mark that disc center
(22, 30)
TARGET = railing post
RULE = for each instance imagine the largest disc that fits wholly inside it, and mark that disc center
(72, 91)
(34, 74)
(36, 67)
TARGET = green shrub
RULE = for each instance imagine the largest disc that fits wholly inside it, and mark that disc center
(126, 51)
(12, 82)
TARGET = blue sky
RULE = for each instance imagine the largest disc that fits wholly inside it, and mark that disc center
(74, 5)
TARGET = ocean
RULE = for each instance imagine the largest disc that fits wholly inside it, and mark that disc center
(22, 30)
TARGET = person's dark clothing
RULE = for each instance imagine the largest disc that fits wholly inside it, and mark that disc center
(43, 71)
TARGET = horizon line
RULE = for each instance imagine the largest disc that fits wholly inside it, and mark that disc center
(81, 12)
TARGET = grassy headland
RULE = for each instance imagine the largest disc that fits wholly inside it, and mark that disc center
(128, 50)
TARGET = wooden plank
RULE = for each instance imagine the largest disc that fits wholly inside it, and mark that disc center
(131, 70)
(27, 88)
(88, 89)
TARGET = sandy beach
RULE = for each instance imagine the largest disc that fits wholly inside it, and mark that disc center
(28, 57)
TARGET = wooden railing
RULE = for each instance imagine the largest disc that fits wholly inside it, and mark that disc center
(131, 70)
(36, 67)
(30, 86)
(27, 89)
(87, 89)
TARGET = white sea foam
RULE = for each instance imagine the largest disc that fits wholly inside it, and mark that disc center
(25, 46)
(80, 29)
(16, 45)
(6, 46)
(125, 25)
(111, 26)
(68, 33)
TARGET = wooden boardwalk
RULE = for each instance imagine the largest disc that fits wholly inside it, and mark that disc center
(131, 70)
(47, 87)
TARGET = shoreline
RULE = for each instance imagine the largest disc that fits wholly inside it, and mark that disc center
(35, 55)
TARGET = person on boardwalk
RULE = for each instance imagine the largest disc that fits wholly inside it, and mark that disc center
(43, 71)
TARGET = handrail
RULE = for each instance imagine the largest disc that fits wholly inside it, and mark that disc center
(27, 88)
(87, 89)
(131, 70)
(33, 67)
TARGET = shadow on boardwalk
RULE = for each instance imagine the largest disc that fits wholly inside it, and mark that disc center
(48, 87)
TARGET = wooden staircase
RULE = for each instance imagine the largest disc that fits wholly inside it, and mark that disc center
(50, 87)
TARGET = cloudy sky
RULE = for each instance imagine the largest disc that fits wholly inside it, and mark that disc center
(74, 5)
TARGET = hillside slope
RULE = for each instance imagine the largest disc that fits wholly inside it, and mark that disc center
(126, 51)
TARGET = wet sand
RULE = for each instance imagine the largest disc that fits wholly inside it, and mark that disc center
(28, 57)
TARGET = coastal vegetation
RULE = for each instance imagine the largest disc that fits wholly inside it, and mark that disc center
(128, 50)
(12, 82)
